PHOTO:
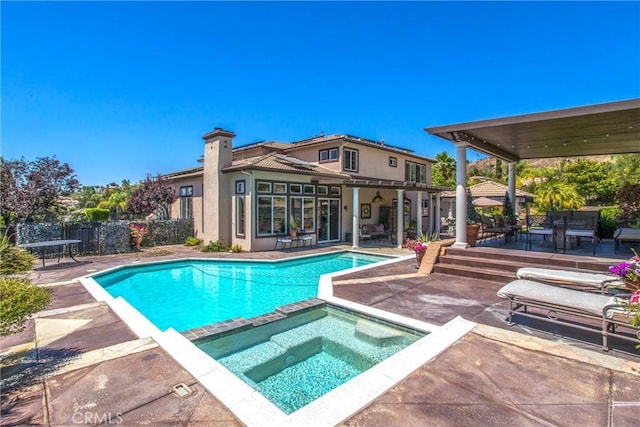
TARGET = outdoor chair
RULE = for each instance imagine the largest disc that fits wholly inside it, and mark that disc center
(581, 224)
(625, 235)
(488, 228)
(570, 308)
(539, 225)
(573, 279)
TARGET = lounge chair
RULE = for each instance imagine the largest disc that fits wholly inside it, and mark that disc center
(574, 279)
(558, 302)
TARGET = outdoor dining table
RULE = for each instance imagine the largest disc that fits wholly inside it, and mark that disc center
(52, 244)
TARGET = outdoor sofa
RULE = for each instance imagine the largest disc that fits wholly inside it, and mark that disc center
(570, 308)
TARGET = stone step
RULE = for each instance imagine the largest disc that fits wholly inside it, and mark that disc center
(501, 264)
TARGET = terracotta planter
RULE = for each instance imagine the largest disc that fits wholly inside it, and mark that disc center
(472, 233)
(420, 255)
(136, 241)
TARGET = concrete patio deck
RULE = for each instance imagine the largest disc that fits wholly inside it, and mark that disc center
(77, 363)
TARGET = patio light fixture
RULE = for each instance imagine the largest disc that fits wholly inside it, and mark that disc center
(377, 198)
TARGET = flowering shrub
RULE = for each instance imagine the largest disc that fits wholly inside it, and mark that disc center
(629, 272)
(416, 245)
(138, 230)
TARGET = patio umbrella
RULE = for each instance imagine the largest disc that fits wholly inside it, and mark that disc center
(485, 202)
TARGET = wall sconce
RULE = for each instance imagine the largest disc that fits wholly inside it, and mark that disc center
(346, 208)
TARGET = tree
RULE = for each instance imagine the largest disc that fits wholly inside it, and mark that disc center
(508, 211)
(155, 195)
(593, 180)
(629, 197)
(444, 171)
(553, 195)
(29, 190)
(627, 169)
(117, 203)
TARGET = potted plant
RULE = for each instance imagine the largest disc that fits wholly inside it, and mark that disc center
(473, 226)
(137, 232)
(418, 245)
(508, 212)
(293, 228)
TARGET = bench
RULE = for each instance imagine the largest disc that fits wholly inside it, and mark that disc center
(603, 314)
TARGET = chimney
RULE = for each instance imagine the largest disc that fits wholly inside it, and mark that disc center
(216, 194)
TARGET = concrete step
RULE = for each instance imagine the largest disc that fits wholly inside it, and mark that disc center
(494, 263)
(494, 275)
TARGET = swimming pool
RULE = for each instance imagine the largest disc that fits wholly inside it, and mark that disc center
(296, 360)
(186, 294)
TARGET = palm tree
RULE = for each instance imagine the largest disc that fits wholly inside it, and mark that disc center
(444, 170)
(554, 195)
(117, 202)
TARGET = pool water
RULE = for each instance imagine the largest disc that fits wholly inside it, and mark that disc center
(296, 360)
(191, 293)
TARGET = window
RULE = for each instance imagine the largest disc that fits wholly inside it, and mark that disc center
(415, 172)
(323, 190)
(309, 189)
(350, 160)
(186, 202)
(328, 155)
(296, 188)
(263, 187)
(240, 216)
(280, 188)
(303, 211)
(393, 162)
(272, 214)
(240, 187)
(335, 191)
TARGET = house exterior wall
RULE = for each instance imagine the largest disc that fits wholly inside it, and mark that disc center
(196, 183)
(372, 160)
(217, 195)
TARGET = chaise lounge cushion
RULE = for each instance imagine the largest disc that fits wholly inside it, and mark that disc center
(594, 280)
(549, 295)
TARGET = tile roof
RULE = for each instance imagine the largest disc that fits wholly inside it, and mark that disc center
(489, 189)
(282, 163)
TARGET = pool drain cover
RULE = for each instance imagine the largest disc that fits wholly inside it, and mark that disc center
(181, 390)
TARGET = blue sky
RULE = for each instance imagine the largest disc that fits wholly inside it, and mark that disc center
(125, 89)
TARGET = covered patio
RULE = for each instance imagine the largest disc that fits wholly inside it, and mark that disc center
(601, 129)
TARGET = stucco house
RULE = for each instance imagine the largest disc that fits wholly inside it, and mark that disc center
(327, 185)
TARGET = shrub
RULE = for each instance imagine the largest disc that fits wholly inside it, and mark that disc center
(19, 299)
(236, 248)
(608, 221)
(215, 247)
(193, 241)
(13, 260)
(97, 214)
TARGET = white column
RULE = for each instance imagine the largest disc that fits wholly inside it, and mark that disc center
(419, 213)
(512, 186)
(400, 218)
(437, 218)
(431, 217)
(355, 225)
(461, 196)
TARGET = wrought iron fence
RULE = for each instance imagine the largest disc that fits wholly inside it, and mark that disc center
(89, 236)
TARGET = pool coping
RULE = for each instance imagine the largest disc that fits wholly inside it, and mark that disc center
(251, 407)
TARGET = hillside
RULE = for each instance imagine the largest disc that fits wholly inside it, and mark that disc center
(489, 163)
